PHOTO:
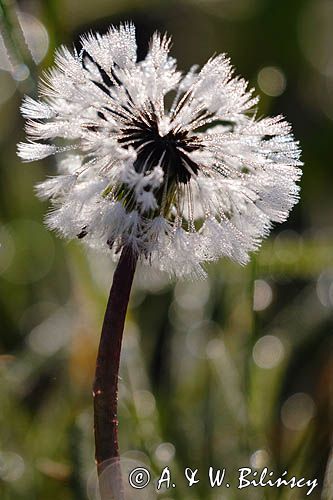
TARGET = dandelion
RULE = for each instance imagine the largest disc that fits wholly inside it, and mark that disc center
(171, 186)
(180, 186)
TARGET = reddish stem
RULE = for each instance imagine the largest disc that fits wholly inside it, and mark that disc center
(105, 390)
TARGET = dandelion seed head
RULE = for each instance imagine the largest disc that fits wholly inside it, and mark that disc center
(182, 185)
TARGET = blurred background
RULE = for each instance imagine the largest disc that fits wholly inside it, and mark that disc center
(233, 371)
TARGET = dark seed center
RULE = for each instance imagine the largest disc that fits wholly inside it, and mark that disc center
(169, 151)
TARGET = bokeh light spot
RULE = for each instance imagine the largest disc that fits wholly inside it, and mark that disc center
(272, 81)
(21, 72)
(215, 348)
(259, 459)
(324, 288)
(263, 295)
(165, 452)
(12, 466)
(268, 352)
(297, 411)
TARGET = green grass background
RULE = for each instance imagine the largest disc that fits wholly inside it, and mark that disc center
(205, 378)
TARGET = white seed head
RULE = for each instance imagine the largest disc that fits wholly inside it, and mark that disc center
(181, 186)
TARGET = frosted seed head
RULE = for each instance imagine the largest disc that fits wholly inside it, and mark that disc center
(183, 185)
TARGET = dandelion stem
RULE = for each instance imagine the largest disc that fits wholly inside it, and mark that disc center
(105, 389)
